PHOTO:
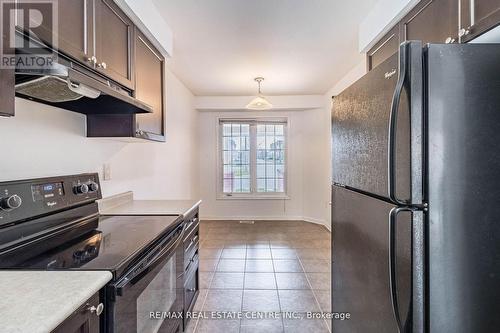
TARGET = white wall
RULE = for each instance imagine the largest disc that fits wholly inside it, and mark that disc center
(308, 173)
(45, 141)
(352, 76)
(316, 130)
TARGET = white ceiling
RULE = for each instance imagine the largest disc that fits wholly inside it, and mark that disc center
(299, 46)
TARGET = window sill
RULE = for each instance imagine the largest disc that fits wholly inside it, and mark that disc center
(253, 197)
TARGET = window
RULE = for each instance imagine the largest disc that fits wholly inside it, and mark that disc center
(253, 158)
(236, 158)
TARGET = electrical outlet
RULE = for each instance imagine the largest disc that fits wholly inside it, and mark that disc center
(106, 171)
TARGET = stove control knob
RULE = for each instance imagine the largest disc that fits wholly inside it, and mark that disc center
(11, 202)
(81, 188)
(93, 186)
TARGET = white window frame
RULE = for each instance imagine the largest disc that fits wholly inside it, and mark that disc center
(253, 195)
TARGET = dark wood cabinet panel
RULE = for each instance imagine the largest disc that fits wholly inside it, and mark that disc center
(74, 33)
(478, 16)
(7, 93)
(75, 29)
(431, 21)
(82, 320)
(114, 43)
(98, 34)
(384, 48)
(149, 85)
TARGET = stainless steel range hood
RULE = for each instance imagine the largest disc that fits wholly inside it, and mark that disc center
(69, 85)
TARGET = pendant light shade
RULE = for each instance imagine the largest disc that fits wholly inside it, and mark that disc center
(259, 102)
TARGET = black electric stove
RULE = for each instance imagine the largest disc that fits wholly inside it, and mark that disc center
(52, 240)
(111, 246)
(54, 224)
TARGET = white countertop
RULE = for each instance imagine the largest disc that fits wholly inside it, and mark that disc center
(38, 301)
(124, 204)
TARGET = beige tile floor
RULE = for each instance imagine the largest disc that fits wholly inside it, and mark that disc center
(278, 266)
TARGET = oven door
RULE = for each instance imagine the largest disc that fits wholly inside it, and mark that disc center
(149, 297)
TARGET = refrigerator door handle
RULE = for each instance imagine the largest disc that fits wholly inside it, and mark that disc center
(393, 217)
(393, 124)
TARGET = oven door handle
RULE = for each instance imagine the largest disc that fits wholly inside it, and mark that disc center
(173, 246)
(136, 274)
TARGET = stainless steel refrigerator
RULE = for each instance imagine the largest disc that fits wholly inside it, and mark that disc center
(416, 193)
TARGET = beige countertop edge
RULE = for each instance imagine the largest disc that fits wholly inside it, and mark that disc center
(116, 205)
(39, 301)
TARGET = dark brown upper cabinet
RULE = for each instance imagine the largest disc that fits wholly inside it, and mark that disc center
(74, 34)
(431, 21)
(149, 65)
(440, 21)
(98, 34)
(149, 87)
(7, 93)
(384, 48)
(477, 17)
(114, 43)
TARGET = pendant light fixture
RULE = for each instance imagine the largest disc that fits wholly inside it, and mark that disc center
(259, 102)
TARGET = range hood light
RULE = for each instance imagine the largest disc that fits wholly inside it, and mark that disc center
(83, 90)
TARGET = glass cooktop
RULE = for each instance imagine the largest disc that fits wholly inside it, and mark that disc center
(111, 246)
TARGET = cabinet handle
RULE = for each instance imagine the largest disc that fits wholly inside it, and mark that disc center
(449, 40)
(92, 60)
(192, 290)
(97, 310)
(463, 32)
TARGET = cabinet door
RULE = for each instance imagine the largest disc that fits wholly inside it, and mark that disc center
(75, 29)
(74, 32)
(82, 320)
(7, 93)
(149, 88)
(7, 82)
(478, 16)
(384, 48)
(114, 43)
(431, 21)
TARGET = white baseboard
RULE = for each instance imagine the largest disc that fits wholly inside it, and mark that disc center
(255, 218)
(318, 221)
(268, 218)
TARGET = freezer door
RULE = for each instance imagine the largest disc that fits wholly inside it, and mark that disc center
(464, 187)
(360, 268)
(361, 129)
(360, 126)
